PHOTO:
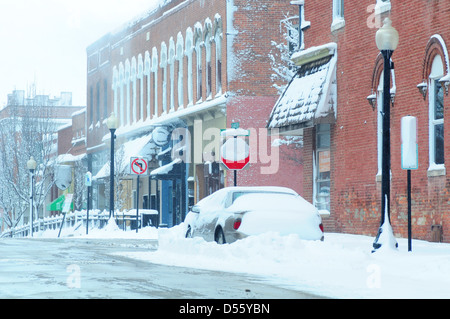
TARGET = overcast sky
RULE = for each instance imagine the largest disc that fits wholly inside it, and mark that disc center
(44, 41)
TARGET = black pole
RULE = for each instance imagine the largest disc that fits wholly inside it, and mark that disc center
(386, 147)
(235, 152)
(88, 207)
(111, 174)
(137, 204)
(409, 209)
(32, 202)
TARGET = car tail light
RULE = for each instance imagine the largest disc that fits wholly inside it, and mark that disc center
(321, 227)
(237, 223)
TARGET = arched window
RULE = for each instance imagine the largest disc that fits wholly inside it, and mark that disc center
(198, 44)
(188, 53)
(114, 87)
(171, 62)
(140, 76)
(147, 73)
(155, 80)
(218, 42)
(127, 85)
(133, 78)
(121, 99)
(163, 66)
(180, 57)
(436, 114)
(435, 67)
(207, 41)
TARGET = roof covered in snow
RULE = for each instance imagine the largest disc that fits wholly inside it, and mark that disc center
(311, 92)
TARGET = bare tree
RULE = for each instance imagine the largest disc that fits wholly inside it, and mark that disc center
(26, 131)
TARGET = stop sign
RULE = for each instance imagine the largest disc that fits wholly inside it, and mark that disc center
(235, 153)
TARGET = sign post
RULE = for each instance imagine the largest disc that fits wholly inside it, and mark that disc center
(88, 183)
(410, 159)
(138, 166)
(66, 208)
(235, 152)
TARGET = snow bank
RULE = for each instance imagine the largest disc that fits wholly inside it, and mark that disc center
(342, 266)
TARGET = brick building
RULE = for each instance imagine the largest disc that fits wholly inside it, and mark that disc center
(342, 140)
(191, 67)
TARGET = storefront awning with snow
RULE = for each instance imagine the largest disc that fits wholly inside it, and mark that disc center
(310, 97)
(139, 147)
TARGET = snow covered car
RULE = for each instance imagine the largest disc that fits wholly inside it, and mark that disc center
(233, 213)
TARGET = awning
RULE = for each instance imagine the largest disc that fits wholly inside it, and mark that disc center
(138, 147)
(168, 171)
(310, 97)
(57, 204)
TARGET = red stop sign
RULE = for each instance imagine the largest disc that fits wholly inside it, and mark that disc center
(235, 153)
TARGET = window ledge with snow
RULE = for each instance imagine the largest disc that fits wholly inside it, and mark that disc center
(436, 170)
(382, 6)
(337, 24)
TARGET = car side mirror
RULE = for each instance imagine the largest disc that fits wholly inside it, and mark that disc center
(195, 209)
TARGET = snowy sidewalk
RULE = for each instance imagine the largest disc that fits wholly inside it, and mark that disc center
(342, 266)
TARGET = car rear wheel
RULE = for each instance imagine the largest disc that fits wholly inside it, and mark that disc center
(219, 236)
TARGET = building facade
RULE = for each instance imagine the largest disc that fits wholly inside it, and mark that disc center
(191, 68)
(342, 140)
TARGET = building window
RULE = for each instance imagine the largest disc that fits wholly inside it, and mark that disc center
(436, 115)
(180, 57)
(218, 42)
(171, 62)
(133, 79)
(91, 105)
(207, 41)
(147, 73)
(163, 66)
(338, 15)
(155, 80)
(198, 54)
(105, 98)
(97, 102)
(127, 86)
(323, 167)
(189, 41)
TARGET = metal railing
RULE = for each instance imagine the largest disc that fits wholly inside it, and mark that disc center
(125, 220)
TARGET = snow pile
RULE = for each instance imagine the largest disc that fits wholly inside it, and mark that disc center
(342, 266)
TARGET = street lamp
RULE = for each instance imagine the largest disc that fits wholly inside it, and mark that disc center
(387, 41)
(31, 165)
(112, 124)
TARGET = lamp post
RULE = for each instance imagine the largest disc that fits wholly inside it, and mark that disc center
(31, 165)
(387, 41)
(112, 124)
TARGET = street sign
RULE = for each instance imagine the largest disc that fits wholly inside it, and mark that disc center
(67, 203)
(409, 147)
(88, 179)
(235, 151)
(138, 166)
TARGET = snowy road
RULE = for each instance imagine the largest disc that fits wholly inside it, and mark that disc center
(91, 268)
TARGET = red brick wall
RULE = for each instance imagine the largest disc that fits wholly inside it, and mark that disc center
(252, 95)
(355, 192)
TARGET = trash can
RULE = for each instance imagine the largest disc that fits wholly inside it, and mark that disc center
(436, 233)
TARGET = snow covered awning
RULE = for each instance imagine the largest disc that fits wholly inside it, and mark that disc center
(168, 171)
(139, 147)
(310, 97)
